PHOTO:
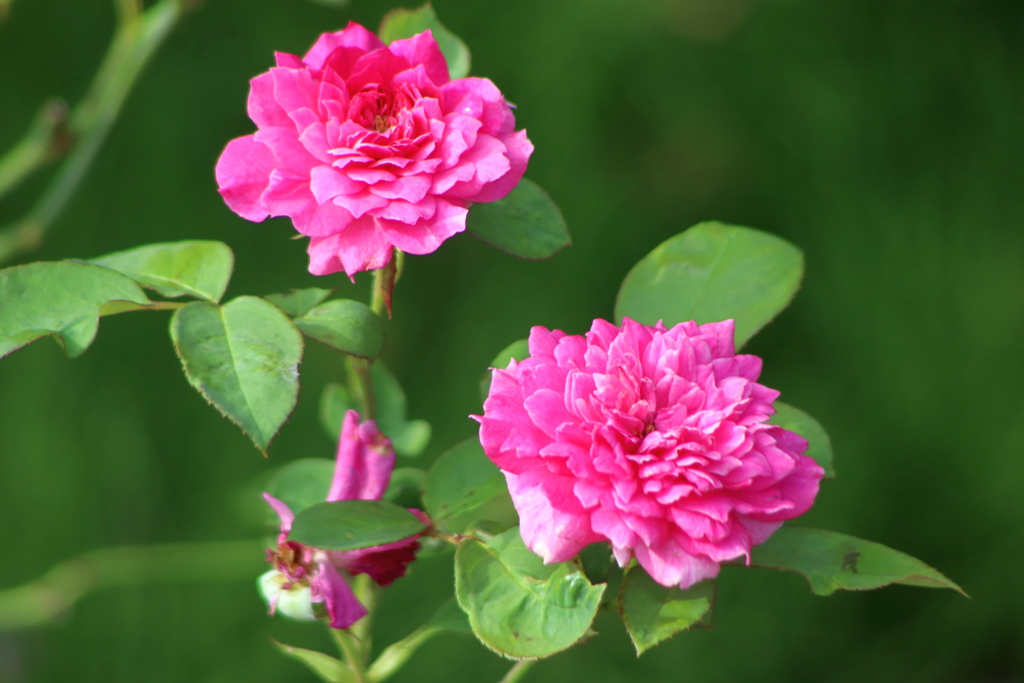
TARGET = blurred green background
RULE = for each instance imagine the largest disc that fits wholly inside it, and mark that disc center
(883, 137)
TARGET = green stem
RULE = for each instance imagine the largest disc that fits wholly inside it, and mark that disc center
(351, 652)
(44, 140)
(518, 670)
(136, 39)
(46, 598)
(359, 369)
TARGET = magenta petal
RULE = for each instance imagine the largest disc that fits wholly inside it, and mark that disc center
(343, 606)
(364, 461)
(518, 151)
(284, 513)
(243, 173)
(353, 35)
(552, 522)
(426, 236)
(423, 49)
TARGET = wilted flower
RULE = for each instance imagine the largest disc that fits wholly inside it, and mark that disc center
(369, 148)
(362, 470)
(655, 440)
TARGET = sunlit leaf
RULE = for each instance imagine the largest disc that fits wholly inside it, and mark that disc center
(653, 613)
(819, 445)
(713, 272)
(353, 524)
(200, 269)
(831, 561)
(405, 23)
(526, 223)
(298, 302)
(243, 357)
(462, 479)
(517, 605)
(63, 299)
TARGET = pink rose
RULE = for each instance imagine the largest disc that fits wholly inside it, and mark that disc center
(362, 471)
(371, 148)
(653, 439)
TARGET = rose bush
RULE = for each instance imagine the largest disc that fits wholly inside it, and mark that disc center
(362, 471)
(370, 148)
(653, 439)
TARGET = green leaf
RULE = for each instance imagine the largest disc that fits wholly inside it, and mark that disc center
(517, 350)
(526, 223)
(517, 605)
(819, 445)
(713, 272)
(448, 618)
(405, 23)
(409, 437)
(302, 483)
(325, 667)
(405, 487)
(196, 268)
(653, 613)
(346, 325)
(298, 302)
(63, 299)
(353, 524)
(462, 479)
(831, 561)
(243, 357)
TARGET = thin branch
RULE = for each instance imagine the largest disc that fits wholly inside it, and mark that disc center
(46, 598)
(136, 39)
(518, 670)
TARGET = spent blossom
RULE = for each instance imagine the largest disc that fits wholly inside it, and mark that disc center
(653, 439)
(363, 468)
(370, 147)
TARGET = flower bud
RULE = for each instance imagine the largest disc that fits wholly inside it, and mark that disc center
(286, 596)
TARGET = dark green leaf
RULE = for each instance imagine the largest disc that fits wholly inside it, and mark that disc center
(298, 302)
(526, 223)
(462, 479)
(348, 326)
(243, 357)
(517, 605)
(196, 268)
(325, 667)
(353, 524)
(819, 445)
(405, 487)
(831, 561)
(518, 350)
(653, 613)
(62, 299)
(713, 272)
(303, 483)
(405, 23)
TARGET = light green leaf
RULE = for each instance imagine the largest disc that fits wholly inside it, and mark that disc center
(462, 479)
(325, 667)
(243, 357)
(353, 524)
(831, 561)
(713, 272)
(653, 613)
(517, 350)
(406, 23)
(298, 302)
(302, 483)
(63, 299)
(409, 437)
(196, 268)
(348, 326)
(526, 223)
(394, 657)
(819, 445)
(517, 605)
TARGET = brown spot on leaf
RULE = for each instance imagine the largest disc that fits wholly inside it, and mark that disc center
(850, 562)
